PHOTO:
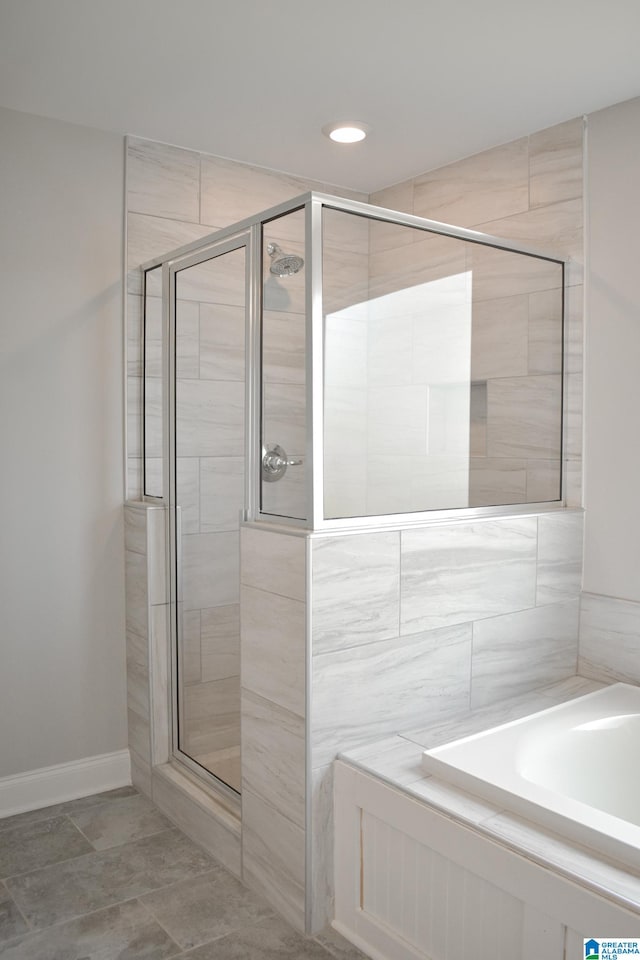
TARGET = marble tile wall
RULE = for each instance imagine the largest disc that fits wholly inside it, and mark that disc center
(609, 647)
(529, 191)
(274, 716)
(410, 627)
(146, 614)
(175, 196)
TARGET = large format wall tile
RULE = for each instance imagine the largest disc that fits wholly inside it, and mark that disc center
(274, 562)
(220, 642)
(493, 481)
(222, 342)
(187, 341)
(221, 493)
(284, 418)
(163, 181)
(322, 867)
(210, 570)
(555, 163)
(188, 494)
(273, 857)
(190, 648)
(135, 529)
(486, 186)
(356, 590)
(220, 279)
(134, 336)
(138, 674)
(157, 555)
(210, 418)
(149, 237)
(430, 257)
(524, 417)
(502, 273)
(211, 718)
(609, 638)
(430, 482)
(283, 347)
(559, 556)
(232, 191)
(385, 236)
(375, 689)
(273, 648)
(545, 332)
(273, 756)
(554, 229)
(134, 417)
(462, 572)
(137, 611)
(520, 651)
(543, 481)
(499, 339)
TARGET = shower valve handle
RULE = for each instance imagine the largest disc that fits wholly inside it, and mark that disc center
(275, 462)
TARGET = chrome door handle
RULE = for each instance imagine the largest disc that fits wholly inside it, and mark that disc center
(275, 462)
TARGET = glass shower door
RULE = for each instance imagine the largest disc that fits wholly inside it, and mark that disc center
(207, 456)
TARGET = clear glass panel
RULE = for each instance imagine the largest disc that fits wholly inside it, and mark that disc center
(209, 496)
(516, 372)
(153, 385)
(443, 371)
(283, 490)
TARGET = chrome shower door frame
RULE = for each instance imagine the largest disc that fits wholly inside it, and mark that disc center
(209, 249)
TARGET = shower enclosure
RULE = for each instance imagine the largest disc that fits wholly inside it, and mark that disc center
(332, 366)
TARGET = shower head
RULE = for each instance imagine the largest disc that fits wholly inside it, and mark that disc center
(283, 264)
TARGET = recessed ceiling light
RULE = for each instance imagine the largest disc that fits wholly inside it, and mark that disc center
(349, 131)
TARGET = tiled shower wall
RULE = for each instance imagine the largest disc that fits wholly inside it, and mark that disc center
(403, 625)
(175, 196)
(410, 626)
(407, 626)
(530, 191)
(609, 638)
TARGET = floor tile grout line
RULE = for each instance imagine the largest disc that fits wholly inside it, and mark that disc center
(5, 823)
(22, 916)
(78, 916)
(109, 906)
(82, 834)
(55, 863)
(152, 915)
(150, 912)
(197, 946)
(115, 903)
(123, 843)
(89, 853)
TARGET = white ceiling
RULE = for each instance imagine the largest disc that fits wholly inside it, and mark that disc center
(255, 80)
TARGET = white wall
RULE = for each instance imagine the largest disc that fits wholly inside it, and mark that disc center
(612, 411)
(62, 666)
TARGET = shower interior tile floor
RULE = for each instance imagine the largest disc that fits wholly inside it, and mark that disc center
(108, 877)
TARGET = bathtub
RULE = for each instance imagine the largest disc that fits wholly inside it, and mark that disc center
(573, 769)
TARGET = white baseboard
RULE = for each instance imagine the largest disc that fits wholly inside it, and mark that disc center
(66, 781)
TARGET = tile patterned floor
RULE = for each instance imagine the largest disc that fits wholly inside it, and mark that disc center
(107, 877)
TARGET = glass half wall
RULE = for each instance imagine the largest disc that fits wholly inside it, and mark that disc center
(393, 368)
